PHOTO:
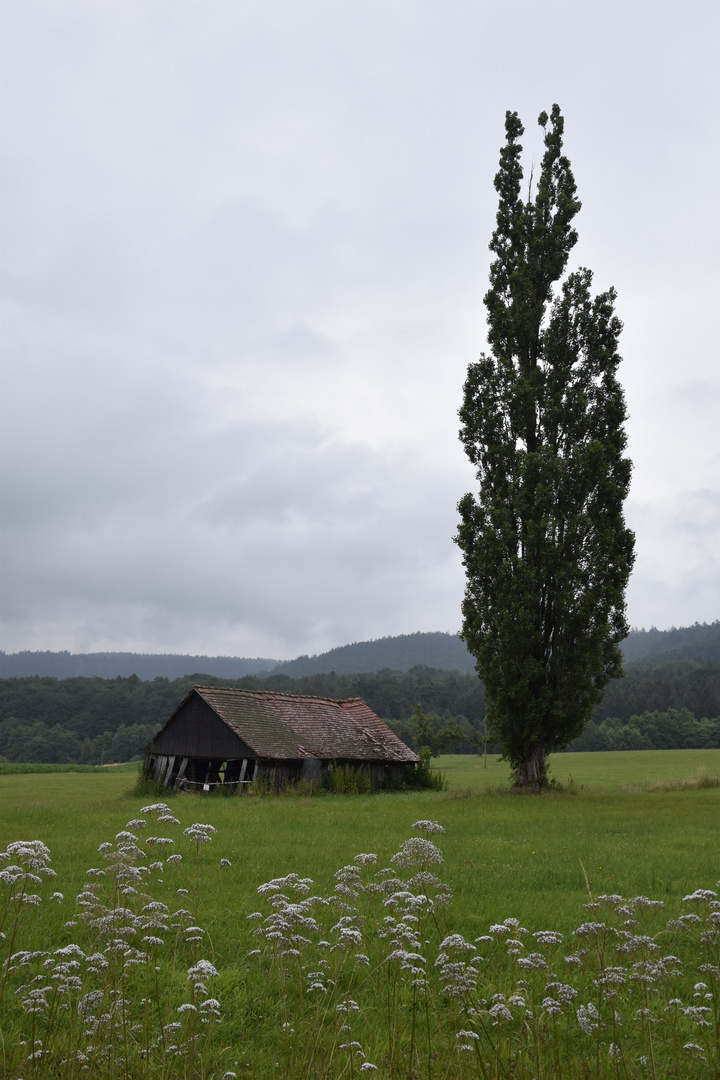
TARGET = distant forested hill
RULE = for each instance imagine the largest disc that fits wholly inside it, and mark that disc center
(444, 652)
(113, 665)
(700, 643)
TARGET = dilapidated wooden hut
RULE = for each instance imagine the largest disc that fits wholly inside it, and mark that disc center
(221, 735)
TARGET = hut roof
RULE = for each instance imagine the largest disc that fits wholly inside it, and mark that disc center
(286, 726)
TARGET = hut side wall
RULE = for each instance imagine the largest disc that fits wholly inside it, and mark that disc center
(381, 772)
(280, 773)
(312, 768)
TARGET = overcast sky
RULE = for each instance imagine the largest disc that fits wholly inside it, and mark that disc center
(244, 248)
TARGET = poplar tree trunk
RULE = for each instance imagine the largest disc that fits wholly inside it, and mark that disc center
(532, 772)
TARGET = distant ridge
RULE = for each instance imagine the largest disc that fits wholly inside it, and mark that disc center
(700, 642)
(113, 665)
(445, 652)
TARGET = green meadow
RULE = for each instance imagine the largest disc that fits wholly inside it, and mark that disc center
(505, 854)
(643, 823)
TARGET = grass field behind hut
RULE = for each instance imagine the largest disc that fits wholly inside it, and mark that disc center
(636, 823)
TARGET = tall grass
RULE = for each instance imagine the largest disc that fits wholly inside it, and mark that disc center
(375, 972)
(610, 770)
(127, 995)
(11, 768)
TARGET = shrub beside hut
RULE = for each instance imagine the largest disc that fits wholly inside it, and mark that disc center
(222, 736)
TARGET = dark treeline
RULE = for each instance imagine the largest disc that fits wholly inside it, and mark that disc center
(674, 729)
(38, 742)
(649, 687)
(91, 720)
(83, 720)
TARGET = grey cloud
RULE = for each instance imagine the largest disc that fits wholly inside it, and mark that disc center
(244, 254)
(700, 396)
(276, 580)
(678, 559)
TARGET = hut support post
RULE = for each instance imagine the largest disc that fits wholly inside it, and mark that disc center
(171, 762)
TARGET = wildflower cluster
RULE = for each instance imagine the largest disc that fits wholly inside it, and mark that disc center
(370, 934)
(623, 985)
(23, 869)
(365, 976)
(111, 999)
(372, 971)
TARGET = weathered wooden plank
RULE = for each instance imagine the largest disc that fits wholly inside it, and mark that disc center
(171, 762)
(197, 730)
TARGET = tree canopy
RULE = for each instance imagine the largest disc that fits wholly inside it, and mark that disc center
(546, 550)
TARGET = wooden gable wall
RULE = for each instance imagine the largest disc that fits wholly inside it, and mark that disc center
(196, 731)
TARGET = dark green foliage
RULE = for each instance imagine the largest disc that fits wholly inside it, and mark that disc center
(348, 780)
(657, 687)
(545, 547)
(35, 713)
(428, 739)
(431, 738)
(676, 729)
(10, 768)
(423, 778)
(89, 707)
(34, 741)
(416, 778)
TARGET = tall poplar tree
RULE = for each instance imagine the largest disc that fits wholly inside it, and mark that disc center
(545, 546)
